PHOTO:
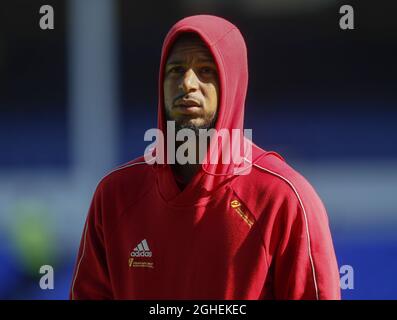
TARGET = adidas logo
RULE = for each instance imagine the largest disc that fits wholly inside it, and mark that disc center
(141, 250)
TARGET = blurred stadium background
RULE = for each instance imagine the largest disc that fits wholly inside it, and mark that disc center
(75, 101)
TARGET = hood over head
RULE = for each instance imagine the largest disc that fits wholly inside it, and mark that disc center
(227, 46)
(229, 51)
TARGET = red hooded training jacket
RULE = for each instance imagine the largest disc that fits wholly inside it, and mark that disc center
(263, 235)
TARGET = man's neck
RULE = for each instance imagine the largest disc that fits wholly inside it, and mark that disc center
(184, 173)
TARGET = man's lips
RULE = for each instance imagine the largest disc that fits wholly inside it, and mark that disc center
(186, 103)
(188, 106)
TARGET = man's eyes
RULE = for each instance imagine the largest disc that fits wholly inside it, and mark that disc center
(207, 71)
(177, 70)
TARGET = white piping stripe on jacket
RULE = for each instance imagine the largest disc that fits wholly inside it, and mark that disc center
(86, 226)
(306, 222)
(267, 170)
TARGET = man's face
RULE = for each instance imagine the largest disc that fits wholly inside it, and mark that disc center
(191, 85)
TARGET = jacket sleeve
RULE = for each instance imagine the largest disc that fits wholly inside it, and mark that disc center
(305, 265)
(91, 276)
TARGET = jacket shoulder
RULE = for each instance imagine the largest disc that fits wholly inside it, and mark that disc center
(274, 168)
(132, 176)
(273, 180)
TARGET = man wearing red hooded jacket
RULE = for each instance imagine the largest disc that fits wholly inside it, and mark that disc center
(201, 231)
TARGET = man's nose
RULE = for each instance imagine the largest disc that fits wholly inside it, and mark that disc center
(190, 81)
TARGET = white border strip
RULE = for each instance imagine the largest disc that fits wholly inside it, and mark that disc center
(306, 222)
(86, 226)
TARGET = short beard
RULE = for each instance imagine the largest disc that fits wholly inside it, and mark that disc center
(179, 125)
